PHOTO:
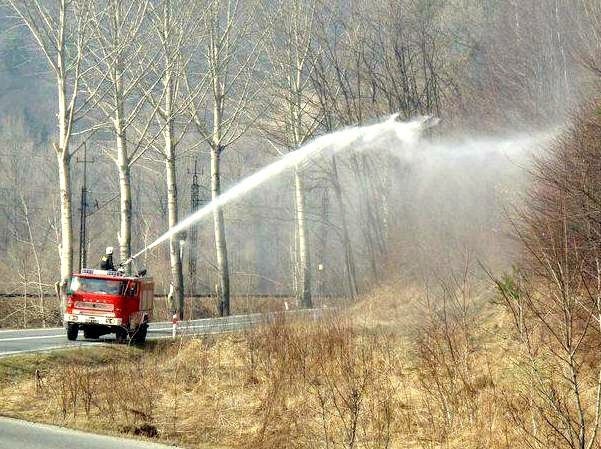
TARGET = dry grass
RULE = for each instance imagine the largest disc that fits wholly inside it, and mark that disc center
(19, 312)
(281, 385)
(397, 370)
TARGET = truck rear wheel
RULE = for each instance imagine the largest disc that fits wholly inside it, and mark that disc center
(139, 337)
(72, 331)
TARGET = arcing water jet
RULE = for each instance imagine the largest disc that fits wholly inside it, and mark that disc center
(385, 134)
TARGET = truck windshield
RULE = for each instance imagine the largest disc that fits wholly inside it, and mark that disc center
(101, 286)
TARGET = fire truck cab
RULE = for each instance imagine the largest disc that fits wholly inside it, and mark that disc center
(101, 302)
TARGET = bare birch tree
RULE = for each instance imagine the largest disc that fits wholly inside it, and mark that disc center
(61, 29)
(121, 54)
(174, 24)
(295, 118)
(230, 56)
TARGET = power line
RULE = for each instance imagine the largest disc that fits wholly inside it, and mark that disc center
(196, 201)
(83, 253)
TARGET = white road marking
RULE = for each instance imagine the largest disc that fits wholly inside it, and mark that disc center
(212, 326)
(37, 329)
(48, 349)
(182, 329)
(37, 337)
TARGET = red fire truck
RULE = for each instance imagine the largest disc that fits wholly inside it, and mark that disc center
(101, 302)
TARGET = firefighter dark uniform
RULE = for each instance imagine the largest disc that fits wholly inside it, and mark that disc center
(106, 262)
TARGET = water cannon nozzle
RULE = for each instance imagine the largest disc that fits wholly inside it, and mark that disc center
(127, 262)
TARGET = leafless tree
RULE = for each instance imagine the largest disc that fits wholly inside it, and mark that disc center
(555, 297)
(295, 116)
(120, 56)
(61, 30)
(174, 24)
(225, 92)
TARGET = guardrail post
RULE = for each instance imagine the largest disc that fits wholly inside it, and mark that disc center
(174, 325)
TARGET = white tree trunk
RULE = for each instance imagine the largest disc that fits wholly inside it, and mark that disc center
(220, 242)
(64, 170)
(125, 197)
(66, 246)
(303, 292)
(122, 155)
(177, 276)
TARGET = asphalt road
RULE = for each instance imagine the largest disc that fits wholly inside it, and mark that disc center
(35, 340)
(15, 434)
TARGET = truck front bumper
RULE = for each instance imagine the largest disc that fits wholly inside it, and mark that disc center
(92, 319)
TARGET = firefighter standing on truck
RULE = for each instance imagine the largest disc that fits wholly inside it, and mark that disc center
(106, 261)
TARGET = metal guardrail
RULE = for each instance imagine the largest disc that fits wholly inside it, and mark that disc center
(49, 339)
(51, 293)
(234, 322)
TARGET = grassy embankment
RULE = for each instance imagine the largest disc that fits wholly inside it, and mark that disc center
(397, 370)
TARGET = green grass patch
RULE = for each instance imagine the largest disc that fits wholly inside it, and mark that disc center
(18, 367)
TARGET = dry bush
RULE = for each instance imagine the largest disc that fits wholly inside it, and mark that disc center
(302, 384)
(562, 218)
(21, 312)
(457, 403)
(120, 395)
(554, 298)
(324, 384)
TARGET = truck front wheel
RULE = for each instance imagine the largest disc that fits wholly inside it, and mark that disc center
(72, 330)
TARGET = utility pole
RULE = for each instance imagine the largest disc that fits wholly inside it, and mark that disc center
(83, 253)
